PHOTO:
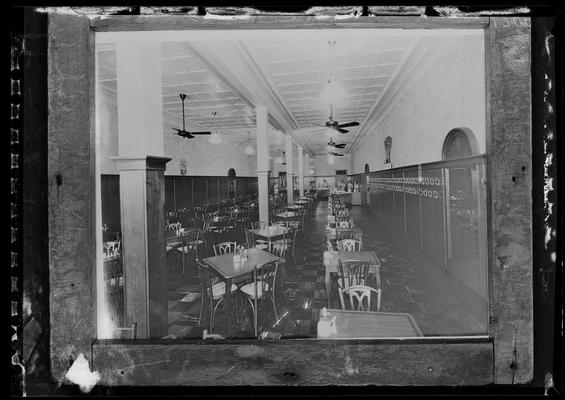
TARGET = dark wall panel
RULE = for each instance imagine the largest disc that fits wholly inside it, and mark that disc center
(433, 214)
(110, 193)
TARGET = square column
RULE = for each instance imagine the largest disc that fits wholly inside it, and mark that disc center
(300, 171)
(142, 208)
(262, 163)
(289, 170)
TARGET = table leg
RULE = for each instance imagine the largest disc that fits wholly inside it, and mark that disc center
(228, 305)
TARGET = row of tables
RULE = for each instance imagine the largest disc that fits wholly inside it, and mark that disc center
(349, 324)
(229, 270)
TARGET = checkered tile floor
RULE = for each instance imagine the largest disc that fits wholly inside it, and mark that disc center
(411, 284)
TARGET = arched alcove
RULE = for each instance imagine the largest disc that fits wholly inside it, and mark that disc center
(367, 168)
(459, 142)
(231, 173)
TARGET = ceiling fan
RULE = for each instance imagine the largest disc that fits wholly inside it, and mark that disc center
(332, 145)
(182, 132)
(334, 154)
(336, 125)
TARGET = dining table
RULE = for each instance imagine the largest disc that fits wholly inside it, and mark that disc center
(270, 233)
(228, 269)
(331, 264)
(332, 234)
(349, 324)
(293, 207)
(287, 215)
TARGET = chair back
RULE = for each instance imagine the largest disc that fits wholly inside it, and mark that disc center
(353, 272)
(342, 234)
(250, 238)
(189, 240)
(265, 276)
(348, 245)
(360, 297)
(257, 225)
(225, 248)
(205, 281)
(345, 225)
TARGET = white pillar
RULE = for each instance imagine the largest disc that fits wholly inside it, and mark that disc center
(142, 195)
(263, 163)
(300, 171)
(289, 170)
(307, 164)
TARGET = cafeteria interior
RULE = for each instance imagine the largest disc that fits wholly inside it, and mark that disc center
(314, 185)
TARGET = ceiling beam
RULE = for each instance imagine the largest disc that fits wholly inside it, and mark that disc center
(236, 71)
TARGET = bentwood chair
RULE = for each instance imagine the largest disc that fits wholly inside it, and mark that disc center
(190, 241)
(352, 273)
(349, 245)
(252, 242)
(262, 287)
(212, 294)
(360, 297)
(224, 248)
(259, 225)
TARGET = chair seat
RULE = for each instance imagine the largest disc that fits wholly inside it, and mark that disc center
(219, 289)
(249, 289)
(261, 246)
(261, 241)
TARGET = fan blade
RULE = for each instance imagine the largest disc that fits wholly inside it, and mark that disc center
(336, 154)
(347, 124)
(341, 130)
(323, 126)
(340, 145)
(200, 133)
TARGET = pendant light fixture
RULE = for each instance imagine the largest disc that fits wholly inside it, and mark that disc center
(333, 93)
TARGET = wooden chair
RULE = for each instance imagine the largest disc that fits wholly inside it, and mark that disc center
(360, 297)
(252, 242)
(345, 224)
(224, 248)
(343, 234)
(352, 273)
(259, 225)
(190, 241)
(348, 245)
(262, 287)
(212, 294)
(288, 243)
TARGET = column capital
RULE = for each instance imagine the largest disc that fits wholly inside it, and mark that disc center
(155, 163)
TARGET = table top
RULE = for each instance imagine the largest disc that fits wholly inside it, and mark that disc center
(301, 202)
(227, 268)
(288, 214)
(270, 231)
(365, 324)
(331, 259)
(294, 207)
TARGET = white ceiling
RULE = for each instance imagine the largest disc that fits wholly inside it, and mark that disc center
(292, 71)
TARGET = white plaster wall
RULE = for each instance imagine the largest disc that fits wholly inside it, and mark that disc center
(203, 158)
(450, 95)
(322, 167)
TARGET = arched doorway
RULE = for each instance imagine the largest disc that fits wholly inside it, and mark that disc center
(464, 194)
(459, 143)
(366, 168)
